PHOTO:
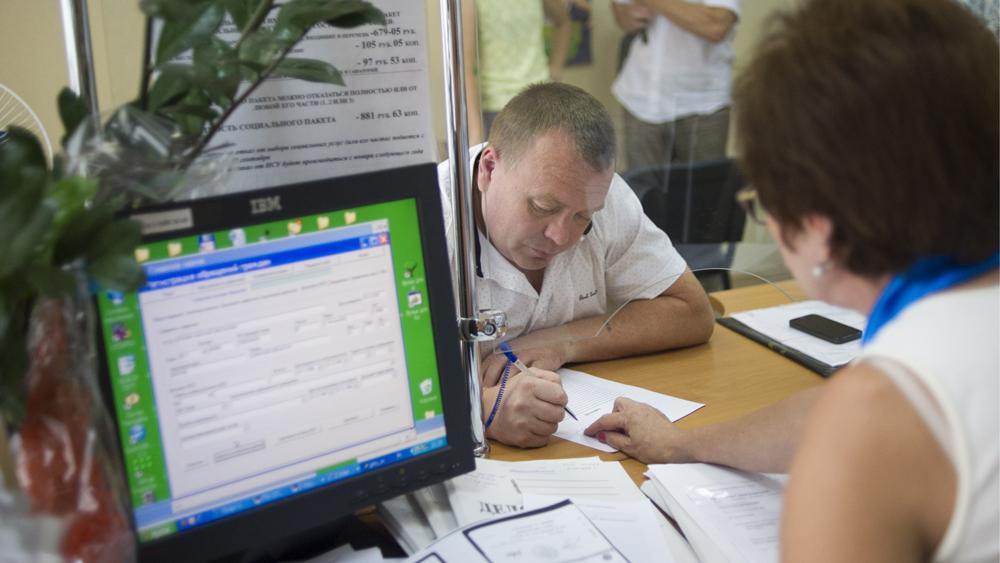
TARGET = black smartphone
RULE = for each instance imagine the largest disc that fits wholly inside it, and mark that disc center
(827, 329)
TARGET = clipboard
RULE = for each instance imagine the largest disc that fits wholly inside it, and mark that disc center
(820, 367)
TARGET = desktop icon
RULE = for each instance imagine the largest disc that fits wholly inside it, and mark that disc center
(120, 332)
(206, 243)
(126, 364)
(350, 217)
(414, 298)
(426, 386)
(174, 249)
(136, 434)
(408, 269)
(295, 227)
(115, 297)
(141, 254)
(322, 222)
(131, 400)
(429, 414)
(264, 236)
(238, 237)
(148, 497)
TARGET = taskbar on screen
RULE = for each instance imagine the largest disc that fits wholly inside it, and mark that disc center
(320, 478)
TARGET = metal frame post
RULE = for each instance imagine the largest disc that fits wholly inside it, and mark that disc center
(457, 132)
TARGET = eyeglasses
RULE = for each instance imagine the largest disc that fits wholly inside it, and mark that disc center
(748, 200)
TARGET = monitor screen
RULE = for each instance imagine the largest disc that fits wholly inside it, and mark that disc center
(286, 344)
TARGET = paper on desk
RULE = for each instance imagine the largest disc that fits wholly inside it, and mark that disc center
(730, 512)
(590, 397)
(406, 522)
(630, 525)
(484, 493)
(773, 322)
(553, 534)
(347, 554)
(433, 500)
(679, 546)
(497, 487)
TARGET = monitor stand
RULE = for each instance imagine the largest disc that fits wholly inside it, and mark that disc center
(361, 532)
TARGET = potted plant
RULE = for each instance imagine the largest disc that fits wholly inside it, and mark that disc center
(59, 229)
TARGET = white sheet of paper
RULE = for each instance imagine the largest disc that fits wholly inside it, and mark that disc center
(630, 525)
(694, 538)
(433, 501)
(773, 322)
(679, 547)
(404, 519)
(576, 479)
(590, 397)
(561, 532)
(553, 534)
(292, 131)
(738, 512)
(485, 493)
(497, 487)
(347, 554)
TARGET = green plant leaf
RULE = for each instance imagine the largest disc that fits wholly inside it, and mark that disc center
(117, 237)
(71, 195)
(111, 257)
(170, 9)
(297, 16)
(71, 112)
(13, 365)
(27, 241)
(186, 109)
(173, 82)
(22, 166)
(242, 10)
(118, 272)
(48, 280)
(198, 25)
(261, 47)
(309, 69)
(221, 76)
(4, 317)
(79, 232)
(250, 71)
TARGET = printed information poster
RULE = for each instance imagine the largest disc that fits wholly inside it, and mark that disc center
(291, 131)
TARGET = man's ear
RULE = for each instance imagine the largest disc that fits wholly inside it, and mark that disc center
(488, 161)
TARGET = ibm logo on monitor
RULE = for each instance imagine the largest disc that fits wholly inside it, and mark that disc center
(265, 205)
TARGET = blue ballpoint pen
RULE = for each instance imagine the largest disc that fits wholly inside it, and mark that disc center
(512, 358)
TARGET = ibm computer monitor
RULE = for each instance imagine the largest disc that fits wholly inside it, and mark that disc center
(293, 356)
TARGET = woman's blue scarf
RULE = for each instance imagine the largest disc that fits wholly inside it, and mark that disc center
(926, 276)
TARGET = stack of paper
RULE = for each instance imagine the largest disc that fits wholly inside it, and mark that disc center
(725, 514)
(347, 554)
(601, 491)
(406, 522)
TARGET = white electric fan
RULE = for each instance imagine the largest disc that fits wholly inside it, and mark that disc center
(13, 111)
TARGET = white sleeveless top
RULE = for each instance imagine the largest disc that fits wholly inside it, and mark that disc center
(950, 342)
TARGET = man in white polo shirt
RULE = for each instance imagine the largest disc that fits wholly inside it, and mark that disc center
(674, 83)
(563, 243)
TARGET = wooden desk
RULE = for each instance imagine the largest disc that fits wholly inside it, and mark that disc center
(731, 374)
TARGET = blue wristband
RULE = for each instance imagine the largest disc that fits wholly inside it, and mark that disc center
(496, 404)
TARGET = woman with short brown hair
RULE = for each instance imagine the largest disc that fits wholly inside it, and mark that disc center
(869, 132)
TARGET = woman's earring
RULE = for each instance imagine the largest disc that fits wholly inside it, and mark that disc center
(819, 270)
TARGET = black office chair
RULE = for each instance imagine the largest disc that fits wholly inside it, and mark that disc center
(695, 204)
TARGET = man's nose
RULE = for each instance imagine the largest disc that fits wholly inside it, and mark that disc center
(560, 232)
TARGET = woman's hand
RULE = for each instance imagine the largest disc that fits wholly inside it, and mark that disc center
(642, 432)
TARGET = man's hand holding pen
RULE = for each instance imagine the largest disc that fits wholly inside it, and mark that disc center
(532, 405)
